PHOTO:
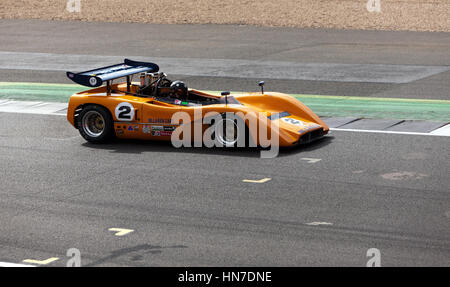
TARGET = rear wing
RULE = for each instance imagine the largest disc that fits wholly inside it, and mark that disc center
(96, 78)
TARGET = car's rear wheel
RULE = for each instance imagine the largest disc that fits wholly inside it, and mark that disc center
(95, 124)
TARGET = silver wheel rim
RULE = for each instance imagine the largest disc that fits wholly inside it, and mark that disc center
(229, 134)
(93, 124)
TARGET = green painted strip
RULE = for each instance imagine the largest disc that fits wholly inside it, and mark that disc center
(38, 91)
(335, 106)
(371, 99)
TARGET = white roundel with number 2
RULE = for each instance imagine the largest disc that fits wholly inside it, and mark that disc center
(293, 121)
(124, 112)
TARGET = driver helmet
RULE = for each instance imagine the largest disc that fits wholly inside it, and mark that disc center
(179, 89)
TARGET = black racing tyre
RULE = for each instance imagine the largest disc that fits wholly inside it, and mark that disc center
(95, 124)
(231, 131)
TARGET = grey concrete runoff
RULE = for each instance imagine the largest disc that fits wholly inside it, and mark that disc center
(370, 73)
(417, 126)
(335, 122)
(371, 124)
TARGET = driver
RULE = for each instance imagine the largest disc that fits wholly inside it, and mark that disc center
(179, 90)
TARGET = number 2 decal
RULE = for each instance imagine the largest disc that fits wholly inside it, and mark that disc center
(124, 111)
(292, 121)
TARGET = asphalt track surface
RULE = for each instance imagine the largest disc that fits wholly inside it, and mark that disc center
(190, 206)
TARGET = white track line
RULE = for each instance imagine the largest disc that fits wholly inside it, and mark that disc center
(7, 264)
(393, 132)
(442, 131)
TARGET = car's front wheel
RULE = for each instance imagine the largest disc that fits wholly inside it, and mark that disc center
(95, 124)
(231, 131)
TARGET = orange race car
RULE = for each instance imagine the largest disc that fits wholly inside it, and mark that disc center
(149, 109)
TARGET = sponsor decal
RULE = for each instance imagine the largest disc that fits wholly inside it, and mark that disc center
(279, 116)
(146, 129)
(161, 133)
(159, 121)
(169, 128)
(165, 134)
(112, 70)
(136, 128)
(119, 132)
(157, 128)
(130, 128)
(178, 102)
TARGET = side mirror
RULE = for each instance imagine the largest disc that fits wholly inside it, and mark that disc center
(225, 94)
(261, 84)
